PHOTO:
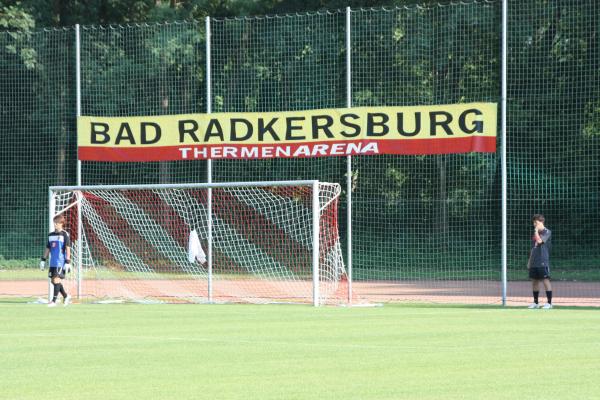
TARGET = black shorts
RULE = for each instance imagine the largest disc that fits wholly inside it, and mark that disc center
(539, 273)
(52, 272)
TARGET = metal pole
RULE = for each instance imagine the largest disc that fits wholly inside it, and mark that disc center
(349, 158)
(503, 134)
(78, 89)
(79, 214)
(51, 208)
(315, 240)
(209, 255)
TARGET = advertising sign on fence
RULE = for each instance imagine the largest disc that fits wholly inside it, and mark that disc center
(440, 129)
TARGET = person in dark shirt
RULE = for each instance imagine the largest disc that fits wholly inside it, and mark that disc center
(59, 250)
(539, 260)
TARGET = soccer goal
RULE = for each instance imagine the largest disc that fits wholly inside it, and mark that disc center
(257, 242)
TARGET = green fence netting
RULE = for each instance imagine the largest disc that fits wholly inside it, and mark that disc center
(430, 223)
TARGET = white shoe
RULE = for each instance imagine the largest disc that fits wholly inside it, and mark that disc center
(534, 305)
(52, 304)
(67, 301)
(547, 306)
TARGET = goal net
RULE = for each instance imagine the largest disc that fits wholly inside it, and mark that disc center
(256, 242)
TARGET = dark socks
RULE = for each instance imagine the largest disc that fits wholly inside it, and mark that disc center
(64, 293)
(549, 296)
(56, 290)
(536, 296)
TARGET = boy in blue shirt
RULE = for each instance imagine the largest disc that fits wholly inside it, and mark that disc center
(59, 250)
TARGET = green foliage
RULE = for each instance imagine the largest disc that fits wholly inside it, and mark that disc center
(19, 25)
(18, 264)
(406, 56)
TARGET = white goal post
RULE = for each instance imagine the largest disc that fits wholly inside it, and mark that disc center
(258, 242)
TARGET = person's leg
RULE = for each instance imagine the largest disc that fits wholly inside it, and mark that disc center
(65, 295)
(62, 289)
(56, 284)
(536, 290)
(535, 285)
(548, 287)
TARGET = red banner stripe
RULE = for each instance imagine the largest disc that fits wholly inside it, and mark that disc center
(446, 145)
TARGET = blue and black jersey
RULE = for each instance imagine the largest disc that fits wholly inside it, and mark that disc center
(57, 244)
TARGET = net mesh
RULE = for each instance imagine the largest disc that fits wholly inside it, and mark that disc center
(428, 222)
(140, 244)
(143, 70)
(554, 143)
(278, 64)
(38, 135)
(426, 226)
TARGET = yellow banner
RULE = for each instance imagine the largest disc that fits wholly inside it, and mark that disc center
(387, 130)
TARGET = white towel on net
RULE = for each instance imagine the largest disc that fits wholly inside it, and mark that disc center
(195, 251)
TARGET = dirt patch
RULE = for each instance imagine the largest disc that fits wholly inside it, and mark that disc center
(259, 291)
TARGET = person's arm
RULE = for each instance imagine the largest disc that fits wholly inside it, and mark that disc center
(67, 253)
(544, 236)
(537, 238)
(44, 258)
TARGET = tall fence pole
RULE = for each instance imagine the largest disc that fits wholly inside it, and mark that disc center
(79, 215)
(78, 89)
(209, 254)
(51, 208)
(504, 152)
(349, 158)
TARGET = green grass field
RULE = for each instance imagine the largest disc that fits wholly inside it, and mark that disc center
(127, 351)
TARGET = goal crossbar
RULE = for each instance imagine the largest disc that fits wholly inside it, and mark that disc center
(187, 185)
